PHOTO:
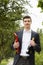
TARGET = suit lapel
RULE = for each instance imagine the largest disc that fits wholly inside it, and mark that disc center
(32, 34)
(21, 34)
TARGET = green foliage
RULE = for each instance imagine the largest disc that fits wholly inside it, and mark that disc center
(39, 58)
(41, 41)
(42, 23)
(4, 62)
(10, 14)
(40, 4)
(41, 37)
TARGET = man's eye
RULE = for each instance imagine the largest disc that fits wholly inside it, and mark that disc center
(28, 21)
(25, 21)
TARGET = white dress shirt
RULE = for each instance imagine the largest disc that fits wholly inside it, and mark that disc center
(25, 42)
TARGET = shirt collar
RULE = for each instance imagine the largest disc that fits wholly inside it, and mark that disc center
(27, 31)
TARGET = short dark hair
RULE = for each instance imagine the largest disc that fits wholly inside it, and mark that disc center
(26, 17)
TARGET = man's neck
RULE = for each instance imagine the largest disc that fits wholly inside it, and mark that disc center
(27, 29)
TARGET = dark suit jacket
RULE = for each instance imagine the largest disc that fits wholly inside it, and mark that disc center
(32, 50)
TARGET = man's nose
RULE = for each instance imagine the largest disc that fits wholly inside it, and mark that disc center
(27, 22)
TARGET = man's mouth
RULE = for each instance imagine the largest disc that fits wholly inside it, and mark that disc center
(27, 24)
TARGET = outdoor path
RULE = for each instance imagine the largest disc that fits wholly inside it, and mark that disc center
(10, 62)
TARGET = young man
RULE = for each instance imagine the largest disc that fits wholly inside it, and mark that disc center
(28, 43)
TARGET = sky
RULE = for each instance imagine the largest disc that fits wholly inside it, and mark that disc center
(35, 14)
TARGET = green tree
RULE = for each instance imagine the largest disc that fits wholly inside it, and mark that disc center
(42, 23)
(10, 14)
(41, 37)
(40, 4)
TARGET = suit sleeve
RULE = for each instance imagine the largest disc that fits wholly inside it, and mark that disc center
(12, 46)
(37, 48)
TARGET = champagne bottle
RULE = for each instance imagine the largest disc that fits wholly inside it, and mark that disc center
(16, 40)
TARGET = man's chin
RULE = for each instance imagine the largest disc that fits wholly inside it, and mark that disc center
(27, 27)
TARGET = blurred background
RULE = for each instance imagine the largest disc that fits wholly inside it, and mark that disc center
(11, 14)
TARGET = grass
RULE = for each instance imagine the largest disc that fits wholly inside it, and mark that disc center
(4, 62)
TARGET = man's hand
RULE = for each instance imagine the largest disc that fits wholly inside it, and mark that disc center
(16, 44)
(32, 43)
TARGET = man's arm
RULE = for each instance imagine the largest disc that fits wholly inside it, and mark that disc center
(37, 47)
(35, 43)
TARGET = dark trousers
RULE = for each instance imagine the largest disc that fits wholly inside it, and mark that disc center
(23, 61)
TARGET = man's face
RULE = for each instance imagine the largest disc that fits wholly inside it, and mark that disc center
(27, 22)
